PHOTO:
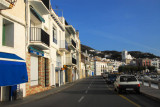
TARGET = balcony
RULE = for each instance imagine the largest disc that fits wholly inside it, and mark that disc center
(39, 38)
(43, 6)
(6, 4)
(72, 44)
(71, 61)
(63, 46)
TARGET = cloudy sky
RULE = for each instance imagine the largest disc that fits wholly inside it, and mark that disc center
(133, 25)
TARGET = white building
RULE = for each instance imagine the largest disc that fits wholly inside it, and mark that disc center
(100, 67)
(156, 63)
(126, 57)
(12, 46)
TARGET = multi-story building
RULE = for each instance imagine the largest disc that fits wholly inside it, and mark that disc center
(156, 63)
(13, 69)
(100, 65)
(143, 62)
(58, 49)
(71, 56)
(83, 65)
(30, 30)
(38, 46)
(126, 57)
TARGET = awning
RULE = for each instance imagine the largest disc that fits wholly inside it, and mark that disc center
(13, 70)
(36, 14)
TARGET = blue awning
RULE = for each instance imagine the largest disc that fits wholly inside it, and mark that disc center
(13, 70)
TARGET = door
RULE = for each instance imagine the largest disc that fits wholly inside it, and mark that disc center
(61, 77)
(34, 70)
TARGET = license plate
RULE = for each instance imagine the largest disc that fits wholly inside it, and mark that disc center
(129, 88)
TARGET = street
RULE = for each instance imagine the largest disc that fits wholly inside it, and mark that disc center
(93, 92)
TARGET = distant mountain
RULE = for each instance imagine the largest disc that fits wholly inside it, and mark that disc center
(115, 54)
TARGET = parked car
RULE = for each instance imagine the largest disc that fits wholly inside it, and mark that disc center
(146, 77)
(111, 78)
(105, 74)
(154, 77)
(127, 82)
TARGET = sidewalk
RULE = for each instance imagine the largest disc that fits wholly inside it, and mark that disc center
(150, 92)
(37, 96)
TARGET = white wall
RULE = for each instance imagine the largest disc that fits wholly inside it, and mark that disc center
(19, 43)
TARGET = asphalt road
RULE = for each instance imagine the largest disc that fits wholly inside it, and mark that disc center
(93, 92)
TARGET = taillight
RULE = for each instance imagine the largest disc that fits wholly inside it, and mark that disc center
(119, 85)
(138, 85)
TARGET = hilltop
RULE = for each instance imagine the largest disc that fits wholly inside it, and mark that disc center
(116, 55)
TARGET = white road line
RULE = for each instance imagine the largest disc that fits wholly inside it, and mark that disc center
(86, 91)
(81, 99)
(88, 87)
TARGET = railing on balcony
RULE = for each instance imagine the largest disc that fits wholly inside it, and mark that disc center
(73, 43)
(70, 61)
(39, 35)
(74, 61)
(55, 40)
(64, 44)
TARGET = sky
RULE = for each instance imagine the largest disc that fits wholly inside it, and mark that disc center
(132, 25)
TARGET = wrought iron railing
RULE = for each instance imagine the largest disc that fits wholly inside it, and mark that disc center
(73, 43)
(39, 35)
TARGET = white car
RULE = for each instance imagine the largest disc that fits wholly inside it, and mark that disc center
(127, 82)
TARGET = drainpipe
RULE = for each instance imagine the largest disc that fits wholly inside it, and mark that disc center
(26, 27)
(26, 31)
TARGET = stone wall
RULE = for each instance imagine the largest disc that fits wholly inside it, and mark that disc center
(41, 76)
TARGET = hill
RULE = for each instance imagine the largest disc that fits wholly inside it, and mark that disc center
(116, 55)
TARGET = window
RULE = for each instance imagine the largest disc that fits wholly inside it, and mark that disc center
(54, 35)
(8, 33)
(127, 79)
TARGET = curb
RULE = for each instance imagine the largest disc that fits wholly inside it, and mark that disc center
(44, 96)
(150, 96)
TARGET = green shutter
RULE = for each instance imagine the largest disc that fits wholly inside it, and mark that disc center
(3, 35)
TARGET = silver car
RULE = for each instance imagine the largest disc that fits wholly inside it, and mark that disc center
(127, 82)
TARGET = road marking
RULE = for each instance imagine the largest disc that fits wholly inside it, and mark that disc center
(88, 87)
(86, 91)
(81, 99)
(137, 105)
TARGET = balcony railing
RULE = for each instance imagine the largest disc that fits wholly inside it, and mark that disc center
(70, 61)
(73, 43)
(39, 35)
(74, 61)
(64, 44)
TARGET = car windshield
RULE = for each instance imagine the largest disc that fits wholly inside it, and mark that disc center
(127, 79)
